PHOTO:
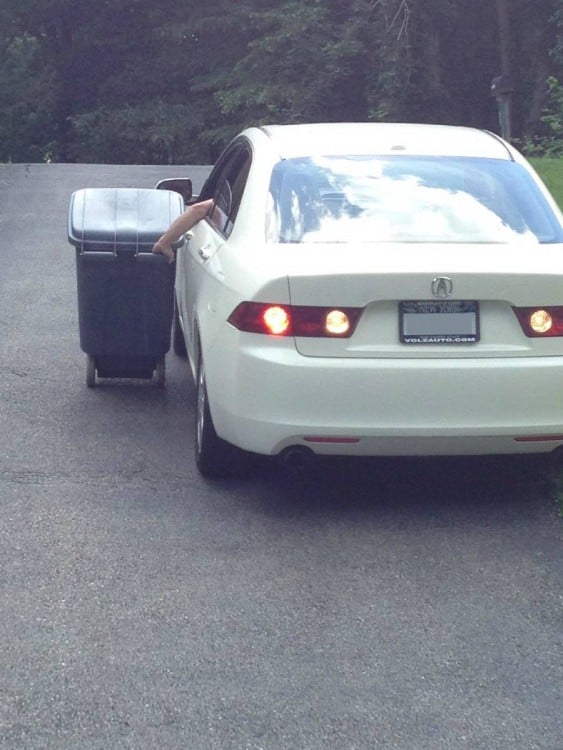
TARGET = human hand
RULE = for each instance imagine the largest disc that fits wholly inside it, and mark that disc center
(162, 249)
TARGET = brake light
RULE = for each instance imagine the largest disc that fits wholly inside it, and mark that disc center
(537, 322)
(295, 320)
(277, 320)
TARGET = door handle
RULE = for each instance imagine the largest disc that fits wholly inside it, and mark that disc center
(204, 252)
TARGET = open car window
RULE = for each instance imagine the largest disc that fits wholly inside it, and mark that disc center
(229, 190)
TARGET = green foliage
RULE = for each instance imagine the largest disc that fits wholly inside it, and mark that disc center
(133, 81)
(298, 67)
(26, 113)
(549, 142)
(143, 134)
(554, 118)
(551, 172)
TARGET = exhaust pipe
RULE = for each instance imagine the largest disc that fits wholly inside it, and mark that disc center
(298, 458)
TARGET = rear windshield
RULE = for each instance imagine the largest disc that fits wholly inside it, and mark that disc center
(407, 199)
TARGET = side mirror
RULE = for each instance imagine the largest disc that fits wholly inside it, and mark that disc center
(182, 185)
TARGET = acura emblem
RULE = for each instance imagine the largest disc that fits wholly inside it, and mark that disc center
(442, 287)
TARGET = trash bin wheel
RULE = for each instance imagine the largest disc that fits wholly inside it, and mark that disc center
(160, 373)
(90, 371)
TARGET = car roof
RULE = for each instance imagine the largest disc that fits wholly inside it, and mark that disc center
(290, 141)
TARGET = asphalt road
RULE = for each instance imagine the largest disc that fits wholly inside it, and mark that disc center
(397, 605)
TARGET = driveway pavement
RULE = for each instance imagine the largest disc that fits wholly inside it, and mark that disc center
(401, 605)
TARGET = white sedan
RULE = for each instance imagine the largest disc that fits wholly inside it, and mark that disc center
(373, 289)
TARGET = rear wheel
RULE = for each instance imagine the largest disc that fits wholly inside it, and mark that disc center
(214, 456)
(178, 341)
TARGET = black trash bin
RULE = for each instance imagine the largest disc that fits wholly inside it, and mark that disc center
(125, 292)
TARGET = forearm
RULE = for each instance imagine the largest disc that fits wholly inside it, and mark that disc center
(184, 223)
(180, 226)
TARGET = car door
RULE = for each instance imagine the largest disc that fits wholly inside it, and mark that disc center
(201, 276)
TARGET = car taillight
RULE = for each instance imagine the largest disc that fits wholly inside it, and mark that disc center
(295, 320)
(540, 321)
(276, 320)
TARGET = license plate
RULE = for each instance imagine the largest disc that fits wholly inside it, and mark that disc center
(439, 322)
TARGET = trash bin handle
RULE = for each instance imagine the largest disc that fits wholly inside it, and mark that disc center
(149, 257)
(99, 254)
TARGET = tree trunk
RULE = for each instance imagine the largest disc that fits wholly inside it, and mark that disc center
(505, 39)
(504, 99)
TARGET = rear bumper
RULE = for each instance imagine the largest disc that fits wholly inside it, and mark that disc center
(265, 397)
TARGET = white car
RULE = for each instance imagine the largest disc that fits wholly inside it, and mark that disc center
(373, 289)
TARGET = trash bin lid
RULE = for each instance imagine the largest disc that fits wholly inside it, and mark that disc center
(121, 219)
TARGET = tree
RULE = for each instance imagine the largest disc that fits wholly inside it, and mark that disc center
(103, 61)
(133, 80)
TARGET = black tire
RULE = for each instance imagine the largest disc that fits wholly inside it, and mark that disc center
(90, 371)
(160, 373)
(214, 457)
(178, 341)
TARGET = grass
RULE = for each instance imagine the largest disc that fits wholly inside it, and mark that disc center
(551, 172)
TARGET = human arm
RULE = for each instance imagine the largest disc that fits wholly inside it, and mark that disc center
(180, 226)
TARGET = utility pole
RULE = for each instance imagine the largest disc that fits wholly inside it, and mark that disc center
(502, 88)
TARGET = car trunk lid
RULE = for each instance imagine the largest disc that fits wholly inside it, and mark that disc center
(377, 278)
